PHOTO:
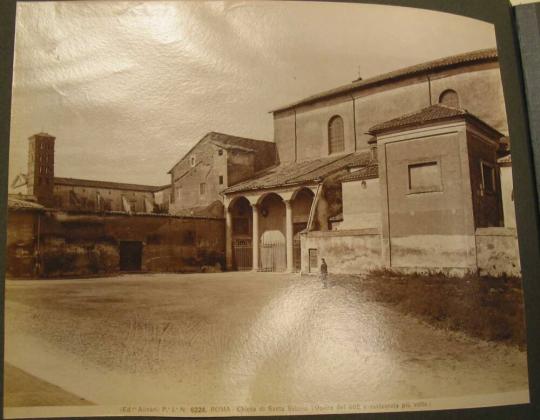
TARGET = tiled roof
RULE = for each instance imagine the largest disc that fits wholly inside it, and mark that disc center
(430, 66)
(367, 172)
(433, 113)
(300, 172)
(228, 140)
(105, 184)
(15, 203)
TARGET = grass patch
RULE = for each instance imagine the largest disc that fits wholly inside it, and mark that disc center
(490, 308)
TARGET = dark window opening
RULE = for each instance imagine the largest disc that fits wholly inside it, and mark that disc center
(488, 178)
(336, 136)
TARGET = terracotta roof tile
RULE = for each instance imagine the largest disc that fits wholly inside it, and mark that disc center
(300, 172)
(427, 67)
(105, 184)
(15, 203)
(432, 113)
(367, 172)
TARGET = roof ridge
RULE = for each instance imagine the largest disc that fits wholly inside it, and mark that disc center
(60, 178)
(210, 134)
(237, 137)
(426, 66)
(425, 115)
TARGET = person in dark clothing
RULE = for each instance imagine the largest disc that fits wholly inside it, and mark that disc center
(324, 273)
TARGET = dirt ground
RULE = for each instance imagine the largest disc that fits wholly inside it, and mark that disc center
(239, 337)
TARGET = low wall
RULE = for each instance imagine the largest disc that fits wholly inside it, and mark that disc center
(497, 251)
(21, 244)
(345, 252)
(422, 253)
(79, 244)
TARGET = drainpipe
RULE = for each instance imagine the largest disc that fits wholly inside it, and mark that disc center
(429, 89)
(354, 120)
(295, 139)
(38, 255)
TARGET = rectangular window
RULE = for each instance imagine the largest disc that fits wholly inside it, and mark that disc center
(202, 188)
(220, 152)
(313, 260)
(221, 180)
(425, 177)
(488, 178)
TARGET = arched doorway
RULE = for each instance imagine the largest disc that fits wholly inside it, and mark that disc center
(272, 251)
(242, 228)
(301, 208)
(272, 247)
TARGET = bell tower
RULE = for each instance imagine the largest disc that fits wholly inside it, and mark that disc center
(41, 168)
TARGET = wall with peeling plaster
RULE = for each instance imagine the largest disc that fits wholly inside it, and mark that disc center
(346, 251)
(497, 251)
(80, 244)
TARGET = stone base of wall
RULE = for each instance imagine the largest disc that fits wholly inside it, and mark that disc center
(345, 252)
(497, 251)
(492, 251)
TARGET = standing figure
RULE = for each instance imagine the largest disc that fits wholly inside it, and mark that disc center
(324, 273)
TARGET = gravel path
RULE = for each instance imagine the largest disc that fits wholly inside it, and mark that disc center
(239, 337)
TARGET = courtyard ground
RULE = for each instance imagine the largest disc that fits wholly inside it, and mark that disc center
(245, 338)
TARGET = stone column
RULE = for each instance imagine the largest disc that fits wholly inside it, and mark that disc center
(228, 239)
(255, 242)
(289, 232)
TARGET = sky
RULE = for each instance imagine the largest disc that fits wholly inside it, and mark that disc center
(128, 87)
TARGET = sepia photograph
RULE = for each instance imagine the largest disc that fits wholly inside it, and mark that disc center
(258, 208)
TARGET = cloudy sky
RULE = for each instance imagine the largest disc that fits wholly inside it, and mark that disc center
(128, 87)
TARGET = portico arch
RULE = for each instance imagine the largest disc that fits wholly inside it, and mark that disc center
(272, 228)
(301, 202)
(239, 223)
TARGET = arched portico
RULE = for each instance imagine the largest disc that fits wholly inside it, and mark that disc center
(301, 203)
(273, 233)
(239, 241)
(276, 218)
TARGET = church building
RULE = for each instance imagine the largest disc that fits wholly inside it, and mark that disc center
(400, 171)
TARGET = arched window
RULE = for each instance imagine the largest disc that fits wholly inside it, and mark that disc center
(449, 98)
(336, 140)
